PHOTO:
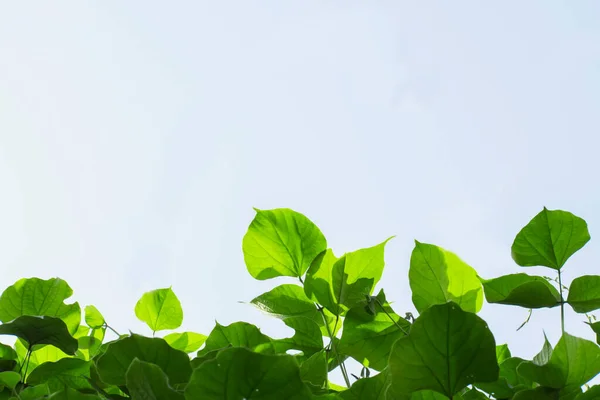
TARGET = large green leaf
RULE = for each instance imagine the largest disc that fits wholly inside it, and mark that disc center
(584, 293)
(281, 242)
(446, 350)
(70, 372)
(573, 362)
(238, 373)
(146, 381)
(160, 309)
(521, 290)
(38, 297)
(549, 239)
(368, 337)
(41, 330)
(113, 364)
(237, 334)
(289, 300)
(187, 342)
(373, 388)
(340, 284)
(592, 393)
(437, 276)
(93, 317)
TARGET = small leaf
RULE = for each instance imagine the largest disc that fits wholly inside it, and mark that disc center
(93, 317)
(521, 290)
(549, 239)
(584, 293)
(369, 338)
(160, 309)
(188, 342)
(437, 276)
(146, 381)
(502, 352)
(7, 352)
(38, 297)
(113, 364)
(545, 354)
(10, 379)
(238, 373)
(446, 350)
(41, 330)
(281, 242)
(574, 362)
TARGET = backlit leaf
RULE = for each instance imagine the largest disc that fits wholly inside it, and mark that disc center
(160, 309)
(437, 276)
(281, 242)
(93, 317)
(521, 290)
(549, 239)
(187, 342)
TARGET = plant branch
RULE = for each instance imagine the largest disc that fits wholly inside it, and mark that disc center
(333, 346)
(562, 303)
(390, 317)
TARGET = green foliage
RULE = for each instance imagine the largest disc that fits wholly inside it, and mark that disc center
(441, 350)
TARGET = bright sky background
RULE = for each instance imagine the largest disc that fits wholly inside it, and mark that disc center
(135, 138)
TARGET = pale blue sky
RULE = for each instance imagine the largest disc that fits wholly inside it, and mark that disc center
(135, 138)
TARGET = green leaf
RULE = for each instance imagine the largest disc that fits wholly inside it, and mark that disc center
(93, 317)
(238, 373)
(307, 337)
(238, 334)
(596, 328)
(34, 392)
(314, 369)
(474, 394)
(188, 342)
(146, 381)
(584, 293)
(369, 338)
(10, 379)
(437, 276)
(574, 362)
(549, 239)
(545, 354)
(281, 242)
(446, 350)
(340, 284)
(41, 330)
(39, 355)
(72, 394)
(509, 381)
(38, 297)
(7, 352)
(373, 388)
(113, 364)
(546, 393)
(502, 352)
(592, 393)
(160, 309)
(289, 300)
(66, 372)
(521, 290)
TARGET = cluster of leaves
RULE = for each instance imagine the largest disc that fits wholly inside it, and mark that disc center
(446, 352)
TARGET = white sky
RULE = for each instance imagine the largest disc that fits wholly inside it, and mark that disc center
(136, 137)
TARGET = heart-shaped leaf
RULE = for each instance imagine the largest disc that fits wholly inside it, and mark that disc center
(160, 309)
(521, 290)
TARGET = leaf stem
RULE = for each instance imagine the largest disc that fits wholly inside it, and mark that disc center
(109, 327)
(333, 346)
(562, 303)
(390, 317)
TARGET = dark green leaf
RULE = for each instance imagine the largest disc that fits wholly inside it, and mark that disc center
(574, 362)
(93, 317)
(38, 297)
(41, 330)
(281, 242)
(549, 239)
(146, 381)
(446, 350)
(71, 372)
(592, 393)
(187, 342)
(340, 284)
(437, 276)
(509, 381)
(72, 394)
(474, 394)
(369, 338)
(160, 309)
(584, 293)
(238, 373)
(373, 388)
(521, 290)
(113, 364)
(7, 352)
(34, 392)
